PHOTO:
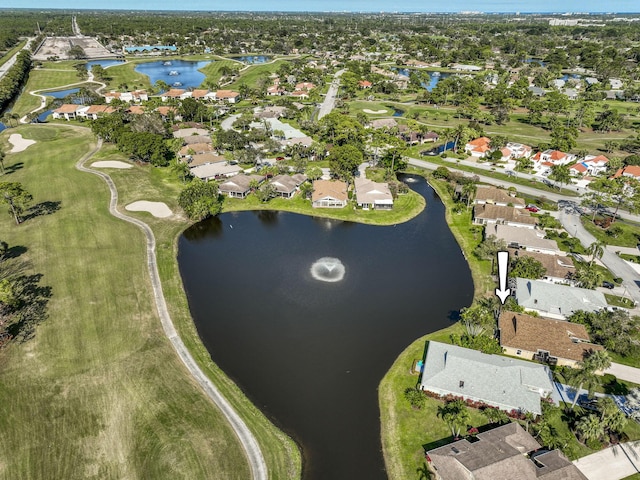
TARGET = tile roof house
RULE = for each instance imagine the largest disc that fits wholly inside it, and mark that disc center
(590, 165)
(199, 93)
(505, 383)
(135, 110)
(239, 186)
(383, 123)
(559, 268)
(502, 453)
(373, 195)
(497, 196)
(519, 150)
(524, 238)
(189, 132)
(215, 170)
(68, 111)
(195, 149)
(556, 342)
(287, 185)
(478, 147)
(172, 93)
(96, 111)
(204, 159)
(329, 194)
(364, 84)
(227, 95)
(628, 171)
(516, 217)
(556, 301)
(305, 86)
(190, 140)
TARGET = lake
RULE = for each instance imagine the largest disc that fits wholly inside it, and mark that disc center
(184, 72)
(104, 63)
(252, 59)
(307, 315)
(434, 77)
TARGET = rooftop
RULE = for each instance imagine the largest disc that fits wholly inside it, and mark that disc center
(557, 300)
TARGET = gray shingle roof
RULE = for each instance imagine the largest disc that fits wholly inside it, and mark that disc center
(557, 300)
(504, 382)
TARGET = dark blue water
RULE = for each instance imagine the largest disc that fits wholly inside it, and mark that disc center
(434, 77)
(2, 126)
(397, 113)
(103, 63)
(447, 146)
(535, 60)
(43, 116)
(252, 59)
(311, 354)
(568, 76)
(188, 74)
(61, 93)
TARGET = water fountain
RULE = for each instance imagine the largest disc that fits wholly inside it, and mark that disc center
(328, 269)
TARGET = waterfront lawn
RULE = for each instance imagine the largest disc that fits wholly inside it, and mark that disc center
(124, 77)
(405, 208)
(98, 392)
(42, 79)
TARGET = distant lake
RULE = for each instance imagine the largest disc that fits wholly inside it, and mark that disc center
(252, 59)
(434, 77)
(174, 71)
(307, 315)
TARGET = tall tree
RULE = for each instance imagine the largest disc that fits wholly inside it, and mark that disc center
(561, 174)
(456, 415)
(16, 197)
(200, 200)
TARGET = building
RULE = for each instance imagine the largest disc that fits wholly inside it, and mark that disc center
(479, 147)
(190, 132)
(204, 159)
(95, 111)
(505, 383)
(228, 96)
(488, 214)
(590, 165)
(373, 195)
(486, 194)
(527, 239)
(502, 453)
(329, 194)
(632, 171)
(195, 139)
(68, 111)
(215, 170)
(287, 185)
(556, 301)
(173, 93)
(239, 186)
(556, 342)
(559, 268)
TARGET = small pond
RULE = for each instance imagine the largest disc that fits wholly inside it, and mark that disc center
(252, 59)
(434, 77)
(60, 93)
(176, 73)
(104, 63)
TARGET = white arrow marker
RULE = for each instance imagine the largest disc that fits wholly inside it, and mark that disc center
(503, 262)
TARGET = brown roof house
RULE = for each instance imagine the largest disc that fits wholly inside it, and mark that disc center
(559, 268)
(556, 342)
(195, 149)
(373, 195)
(524, 239)
(329, 194)
(287, 185)
(68, 111)
(497, 196)
(197, 139)
(239, 186)
(204, 159)
(491, 214)
(503, 453)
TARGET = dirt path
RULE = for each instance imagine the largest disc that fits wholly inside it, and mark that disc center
(247, 440)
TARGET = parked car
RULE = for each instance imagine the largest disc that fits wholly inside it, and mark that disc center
(608, 285)
(532, 208)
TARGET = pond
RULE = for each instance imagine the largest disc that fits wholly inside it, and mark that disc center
(252, 59)
(177, 73)
(434, 77)
(60, 93)
(308, 314)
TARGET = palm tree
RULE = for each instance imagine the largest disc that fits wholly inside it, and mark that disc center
(468, 190)
(596, 362)
(456, 415)
(590, 427)
(495, 415)
(596, 249)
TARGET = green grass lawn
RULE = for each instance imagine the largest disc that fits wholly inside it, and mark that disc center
(405, 208)
(628, 234)
(99, 392)
(42, 79)
(250, 75)
(10, 53)
(125, 74)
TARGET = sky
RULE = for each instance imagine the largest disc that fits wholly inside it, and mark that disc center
(559, 6)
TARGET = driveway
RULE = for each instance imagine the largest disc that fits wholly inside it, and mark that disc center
(614, 463)
(624, 372)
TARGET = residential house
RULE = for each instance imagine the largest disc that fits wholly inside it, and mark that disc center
(135, 110)
(465, 68)
(136, 96)
(556, 301)
(632, 171)
(590, 165)
(556, 342)
(556, 157)
(204, 159)
(379, 123)
(228, 96)
(68, 111)
(239, 186)
(516, 217)
(487, 194)
(305, 86)
(519, 150)
(501, 382)
(373, 195)
(559, 268)
(502, 453)
(287, 185)
(215, 170)
(479, 147)
(96, 111)
(275, 90)
(531, 240)
(189, 132)
(199, 94)
(616, 83)
(195, 149)
(537, 91)
(166, 112)
(329, 194)
(365, 84)
(173, 93)
(195, 139)
(571, 93)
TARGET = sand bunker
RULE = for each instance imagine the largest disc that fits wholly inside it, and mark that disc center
(111, 164)
(375, 112)
(157, 209)
(19, 144)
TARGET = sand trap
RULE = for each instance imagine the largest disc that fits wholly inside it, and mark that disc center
(19, 144)
(157, 209)
(111, 164)
(375, 112)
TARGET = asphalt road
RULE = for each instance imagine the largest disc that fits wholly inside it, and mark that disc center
(330, 99)
(9, 63)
